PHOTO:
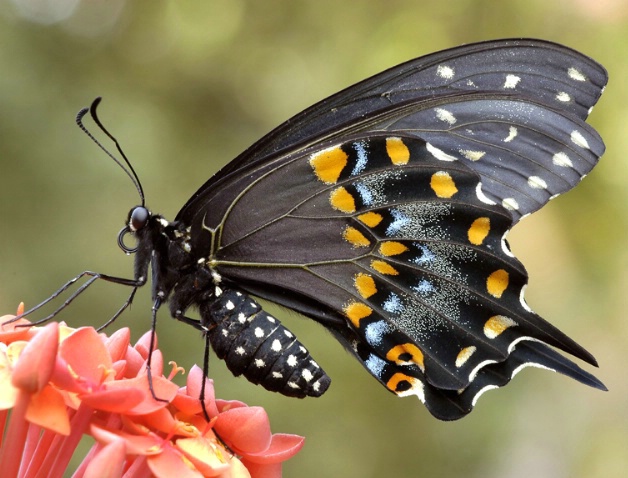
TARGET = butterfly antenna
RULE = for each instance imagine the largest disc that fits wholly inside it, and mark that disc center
(128, 169)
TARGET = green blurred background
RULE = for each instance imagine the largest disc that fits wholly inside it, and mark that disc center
(188, 85)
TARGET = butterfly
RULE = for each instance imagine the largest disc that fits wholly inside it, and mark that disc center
(381, 213)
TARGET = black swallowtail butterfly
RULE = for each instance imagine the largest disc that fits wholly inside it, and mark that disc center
(381, 213)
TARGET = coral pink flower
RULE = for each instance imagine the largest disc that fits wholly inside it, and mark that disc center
(58, 384)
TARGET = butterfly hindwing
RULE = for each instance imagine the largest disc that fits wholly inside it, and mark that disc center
(402, 249)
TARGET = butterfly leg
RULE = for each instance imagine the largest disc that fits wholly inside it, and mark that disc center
(127, 303)
(151, 348)
(93, 277)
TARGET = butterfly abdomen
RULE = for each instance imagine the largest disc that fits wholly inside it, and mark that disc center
(254, 343)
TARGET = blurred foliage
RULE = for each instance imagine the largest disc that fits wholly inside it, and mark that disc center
(187, 85)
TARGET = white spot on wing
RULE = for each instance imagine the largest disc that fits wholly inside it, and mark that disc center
(424, 287)
(375, 365)
(438, 153)
(536, 183)
(512, 134)
(575, 74)
(427, 256)
(446, 116)
(307, 375)
(561, 159)
(563, 97)
(483, 197)
(472, 155)
(259, 363)
(510, 204)
(375, 332)
(505, 247)
(479, 367)
(362, 159)
(579, 140)
(292, 360)
(365, 193)
(530, 364)
(444, 71)
(511, 81)
(229, 305)
(393, 303)
(399, 220)
(465, 356)
(240, 350)
(416, 388)
(522, 299)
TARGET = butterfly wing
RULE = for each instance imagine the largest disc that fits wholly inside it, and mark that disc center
(555, 76)
(381, 213)
(399, 252)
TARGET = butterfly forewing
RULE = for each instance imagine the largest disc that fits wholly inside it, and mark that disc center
(540, 71)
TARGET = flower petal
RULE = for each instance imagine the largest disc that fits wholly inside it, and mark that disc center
(108, 462)
(245, 430)
(224, 405)
(118, 343)
(147, 444)
(209, 458)
(47, 409)
(86, 354)
(36, 363)
(172, 463)
(283, 446)
(11, 332)
(143, 344)
(258, 470)
(115, 400)
(162, 421)
(163, 388)
(8, 393)
(134, 362)
(188, 398)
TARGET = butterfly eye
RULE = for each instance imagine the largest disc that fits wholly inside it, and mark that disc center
(139, 218)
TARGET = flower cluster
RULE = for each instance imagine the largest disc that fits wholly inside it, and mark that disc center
(59, 383)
